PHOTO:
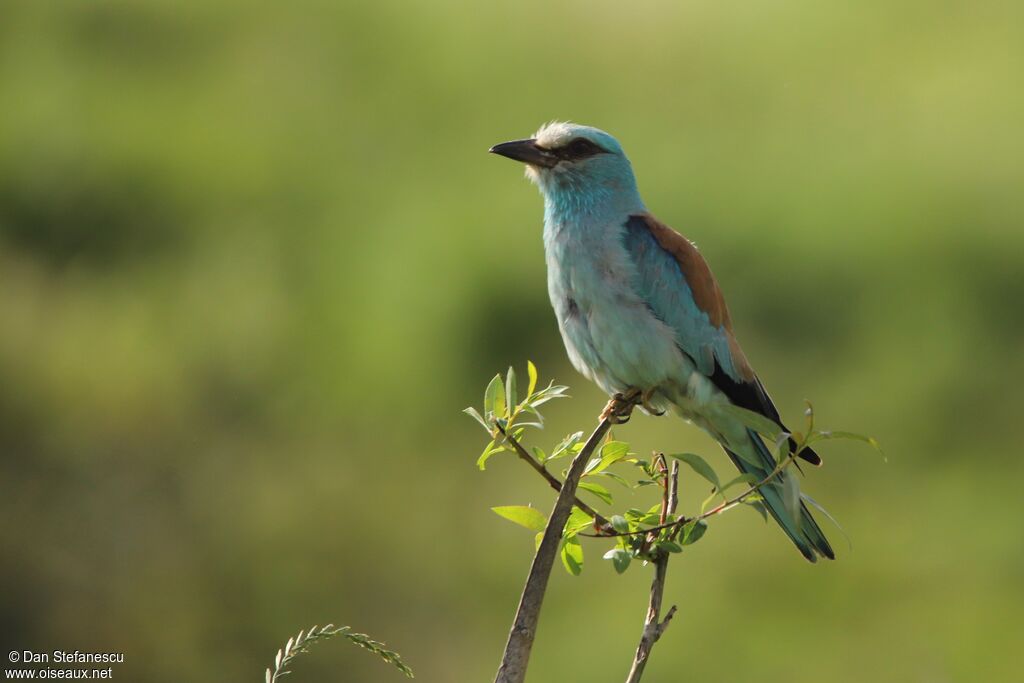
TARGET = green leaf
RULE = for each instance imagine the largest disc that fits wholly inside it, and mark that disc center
(693, 532)
(475, 414)
(612, 452)
(759, 423)
(634, 514)
(781, 446)
(747, 478)
(750, 456)
(572, 556)
(699, 465)
(533, 411)
(652, 516)
(791, 497)
(494, 397)
(531, 370)
(669, 546)
(578, 521)
(511, 400)
(539, 453)
(491, 449)
(818, 506)
(619, 523)
(617, 477)
(522, 515)
(758, 505)
(620, 558)
(564, 448)
(710, 499)
(548, 393)
(598, 490)
(716, 493)
(831, 434)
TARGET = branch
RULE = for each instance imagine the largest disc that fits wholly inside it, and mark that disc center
(599, 521)
(654, 626)
(673, 492)
(524, 628)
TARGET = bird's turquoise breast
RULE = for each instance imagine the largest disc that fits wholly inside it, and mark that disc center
(610, 334)
(572, 284)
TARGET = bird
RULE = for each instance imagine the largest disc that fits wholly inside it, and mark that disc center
(640, 312)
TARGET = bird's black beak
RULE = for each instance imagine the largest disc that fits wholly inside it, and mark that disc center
(525, 151)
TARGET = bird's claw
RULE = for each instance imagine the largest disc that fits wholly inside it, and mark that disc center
(620, 407)
(645, 401)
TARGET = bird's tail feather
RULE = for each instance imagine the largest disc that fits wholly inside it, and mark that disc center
(805, 532)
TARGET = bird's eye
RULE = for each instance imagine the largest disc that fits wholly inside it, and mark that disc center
(581, 147)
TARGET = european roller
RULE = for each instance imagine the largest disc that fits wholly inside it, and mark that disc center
(638, 308)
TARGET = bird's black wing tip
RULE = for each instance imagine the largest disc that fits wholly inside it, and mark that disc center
(808, 455)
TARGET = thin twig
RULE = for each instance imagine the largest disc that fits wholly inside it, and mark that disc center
(659, 460)
(599, 521)
(673, 496)
(524, 628)
(654, 626)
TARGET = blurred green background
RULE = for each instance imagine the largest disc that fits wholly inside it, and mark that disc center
(254, 260)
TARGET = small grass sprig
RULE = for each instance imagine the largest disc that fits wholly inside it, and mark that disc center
(300, 644)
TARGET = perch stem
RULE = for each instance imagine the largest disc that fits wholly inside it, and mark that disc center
(654, 625)
(524, 628)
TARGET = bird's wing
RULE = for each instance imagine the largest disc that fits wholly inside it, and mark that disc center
(677, 285)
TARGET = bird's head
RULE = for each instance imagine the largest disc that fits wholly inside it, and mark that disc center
(570, 159)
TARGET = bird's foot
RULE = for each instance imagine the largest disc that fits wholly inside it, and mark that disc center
(620, 407)
(645, 401)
